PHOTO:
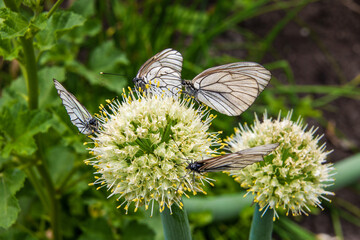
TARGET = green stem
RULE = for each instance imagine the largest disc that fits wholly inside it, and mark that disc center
(53, 9)
(336, 224)
(222, 208)
(38, 187)
(54, 204)
(262, 226)
(30, 74)
(31, 78)
(176, 225)
(347, 172)
(29, 69)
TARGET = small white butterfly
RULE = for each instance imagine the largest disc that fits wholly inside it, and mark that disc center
(232, 161)
(162, 71)
(78, 114)
(229, 89)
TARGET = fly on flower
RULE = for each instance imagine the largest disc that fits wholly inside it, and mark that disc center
(162, 71)
(232, 161)
(78, 114)
(229, 89)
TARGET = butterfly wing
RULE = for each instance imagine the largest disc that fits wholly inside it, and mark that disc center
(237, 160)
(78, 114)
(232, 88)
(163, 71)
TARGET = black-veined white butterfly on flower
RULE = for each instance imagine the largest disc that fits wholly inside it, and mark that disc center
(78, 114)
(229, 89)
(162, 71)
(232, 161)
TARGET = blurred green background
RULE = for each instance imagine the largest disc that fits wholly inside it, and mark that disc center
(311, 47)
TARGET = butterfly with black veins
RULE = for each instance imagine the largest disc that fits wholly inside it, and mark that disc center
(162, 71)
(228, 162)
(229, 89)
(79, 115)
(232, 161)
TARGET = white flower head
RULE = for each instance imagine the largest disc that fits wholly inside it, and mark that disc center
(142, 151)
(294, 176)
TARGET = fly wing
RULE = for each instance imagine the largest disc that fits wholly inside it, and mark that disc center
(78, 114)
(237, 160)
(163, 70)
(232, 88)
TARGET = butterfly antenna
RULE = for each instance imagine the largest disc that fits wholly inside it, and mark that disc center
(114, 74)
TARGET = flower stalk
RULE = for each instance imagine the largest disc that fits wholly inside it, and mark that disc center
(176, 224)
(30, 73)
(262, 224)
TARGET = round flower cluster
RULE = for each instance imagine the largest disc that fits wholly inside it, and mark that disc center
(293, 176)
(145, 144)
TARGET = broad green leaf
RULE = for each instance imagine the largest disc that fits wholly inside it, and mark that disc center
(106, 57)
(18, 125)
(10, 182)
(61, 52)
(61, 162)
(16, 233)
(3, 160)
(64, 21)
(16, 92)
(80, 34)
(96, 229)
(40, 21)
(86, 8)
(12, 25)
(95, 78)
(58, 24)
(8, 50)
(138, 231)
(46, 85)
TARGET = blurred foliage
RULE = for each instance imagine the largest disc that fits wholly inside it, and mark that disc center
(43, 178)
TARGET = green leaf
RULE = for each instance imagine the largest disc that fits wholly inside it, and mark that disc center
(86, 8)
(12, 25)
(96, 229)
(61, 22)
(18, 126)
(8, 50)
(95, 78)
(16, 92)
(40, 21)
(46, 85)
(106, 56)
(10, 182)
(58, 24)
(61, 52)
(61, 162)
(80, 34)
(138, 231)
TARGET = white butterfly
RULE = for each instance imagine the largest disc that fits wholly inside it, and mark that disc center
(229, 89)
(162, 71)
(232, 161)
(78, 114)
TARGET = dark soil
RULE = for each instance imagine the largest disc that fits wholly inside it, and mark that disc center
(322, 46)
